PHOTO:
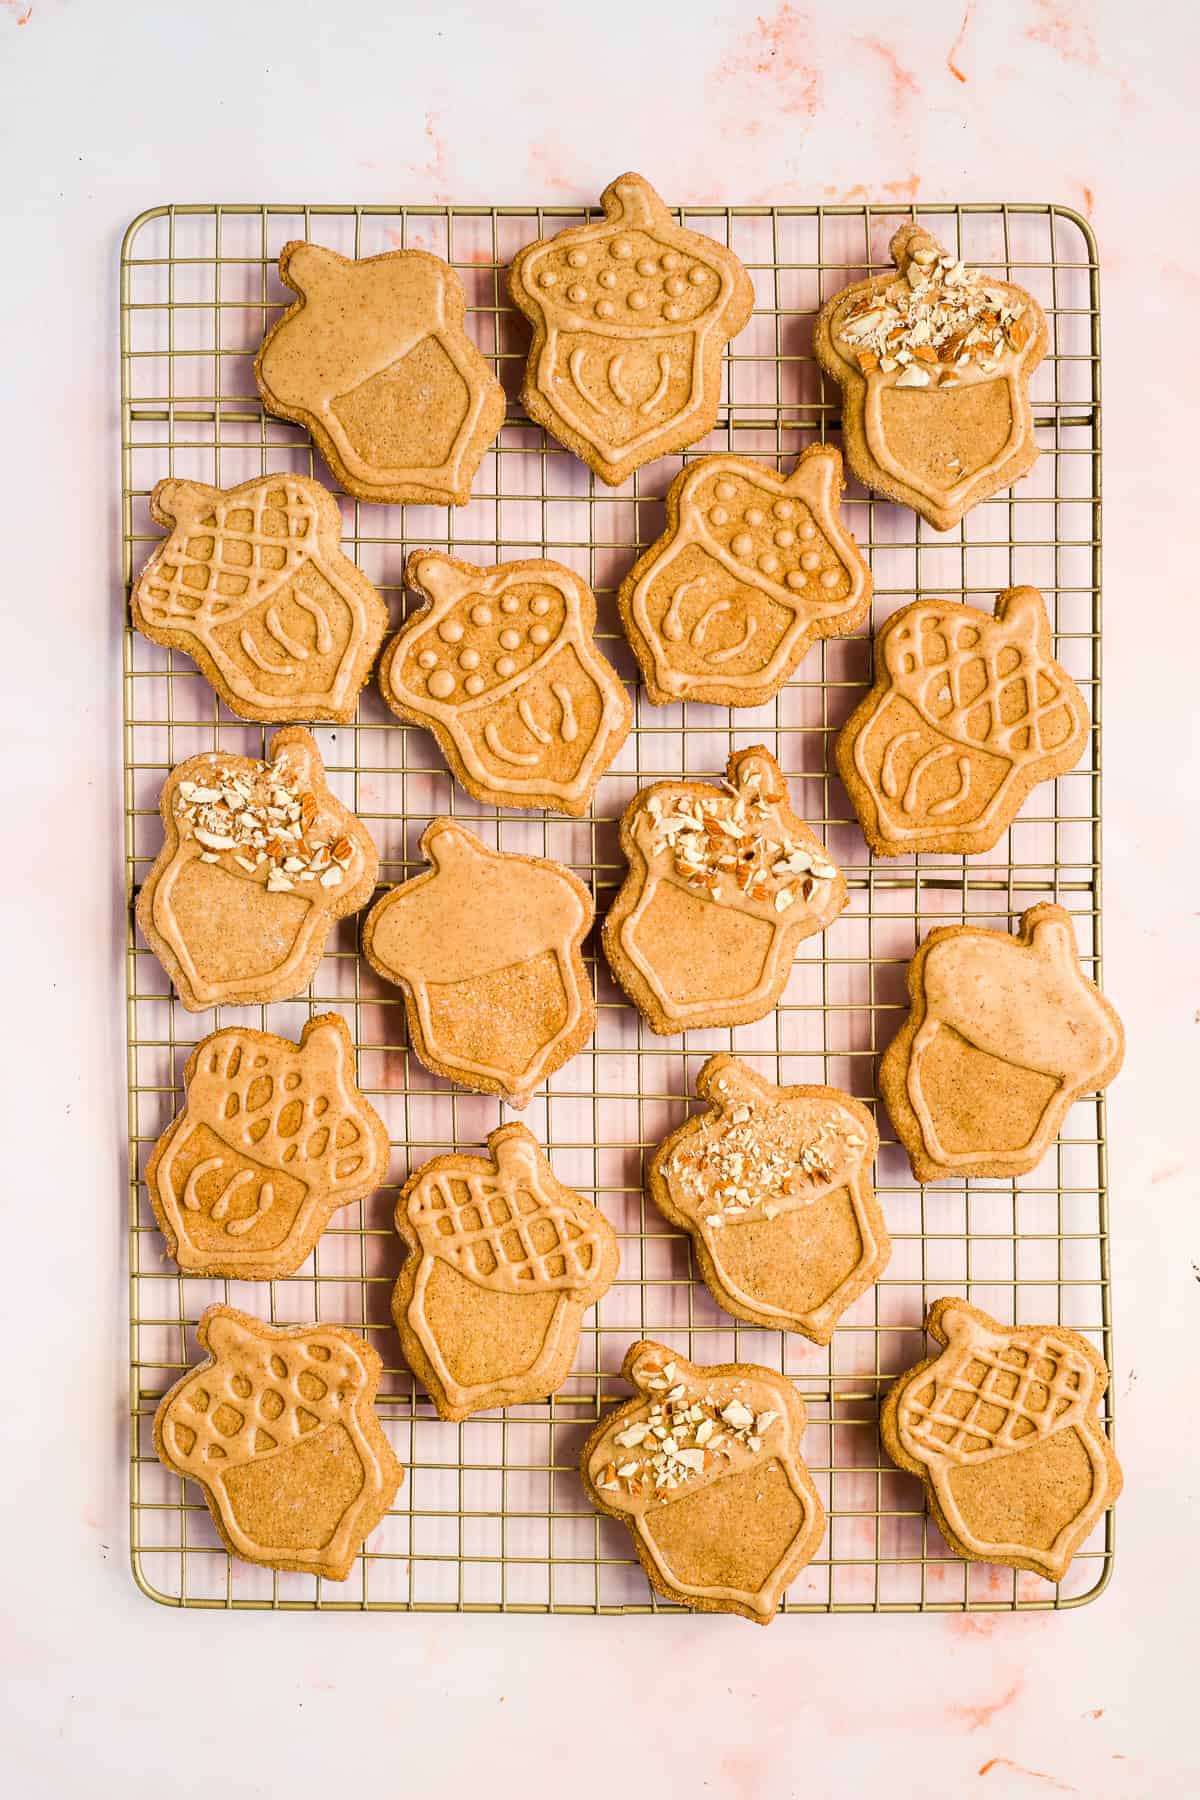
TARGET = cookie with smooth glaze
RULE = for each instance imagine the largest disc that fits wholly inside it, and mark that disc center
(259, 862)
(934, 364)
(274, 1137)
(252, 584)
(967, 715)
(773, 1185)
(501, 665)
(502, 1263)
(752, 568)
(723, 883)
(630, 317)
(278, 1427)
(1003, 1428)
(704, 1468)
(374, 360)
(487, 949)
(1002, 1037)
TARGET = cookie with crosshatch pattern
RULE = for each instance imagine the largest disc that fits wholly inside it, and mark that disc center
(274, 1137)
(752, 568)
(374, 359)
(502, 1263)
(1003, 1035)
(279, 1429)
(630, 317)
(705, 1470)
(967, 715)
(773, 1185)
(501, 665)
(253, 586)
(1003, 1427)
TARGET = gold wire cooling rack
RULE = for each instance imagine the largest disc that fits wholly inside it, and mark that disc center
(492, 1516)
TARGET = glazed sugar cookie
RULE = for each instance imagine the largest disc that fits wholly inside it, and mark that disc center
(934, 365)
(723, 883)
(1002, 1037)
(258, 863)
(500, 664)
(753, 566)
(1003, 1428)
(253, 586)
(279, 1429)
(967, 715)
(630, 317)
(274, 1138)
(503, 1262)
(486, 947)
(774, 1186)
(704, 1468)
(374, 361)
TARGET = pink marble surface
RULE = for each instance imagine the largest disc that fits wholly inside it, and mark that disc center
(105, 109)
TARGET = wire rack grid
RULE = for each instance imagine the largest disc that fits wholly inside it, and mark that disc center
(492, 1515)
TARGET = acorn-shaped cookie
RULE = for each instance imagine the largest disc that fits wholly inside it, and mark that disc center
(752, 568)
(774, 1186)
(1003, 1428)
(374, 360)
(723, 883)
(503, 1262)
(934, 365)
(500, 664)
(1003, 1036)
(966, 716)
(487, 948)
(279, 1429)
(705, 1470)
(258, 863)
(253, 586)
(274, 1138)
(630, 317)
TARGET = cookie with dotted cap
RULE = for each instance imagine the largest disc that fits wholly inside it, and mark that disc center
(966, 716)
(704, 1468)
(501, 665)
(630, 316)
(752, 568)
(1003, 1427)
(1003, 1035)
(374, 360)
(259, 862)
(934, 362)
(253, 586)
(278, 1427)
(487, 949)
(723, 883)
(773, 1184)
(502, 1263)
(274, 1137)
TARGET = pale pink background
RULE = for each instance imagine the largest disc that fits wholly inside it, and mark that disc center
(106, 108)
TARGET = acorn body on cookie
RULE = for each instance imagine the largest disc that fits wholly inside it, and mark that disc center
(278, 1426)
(1003, 1036)
(503, 1262)
(486, 947)
(501, 665)
(374, 360)
(253, 586)
(723, 883)
(259, 861)
(752, 568)
(773, 1185)
(704, 1469)
(1003, 1428)
(630, 317)
(934, 365)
